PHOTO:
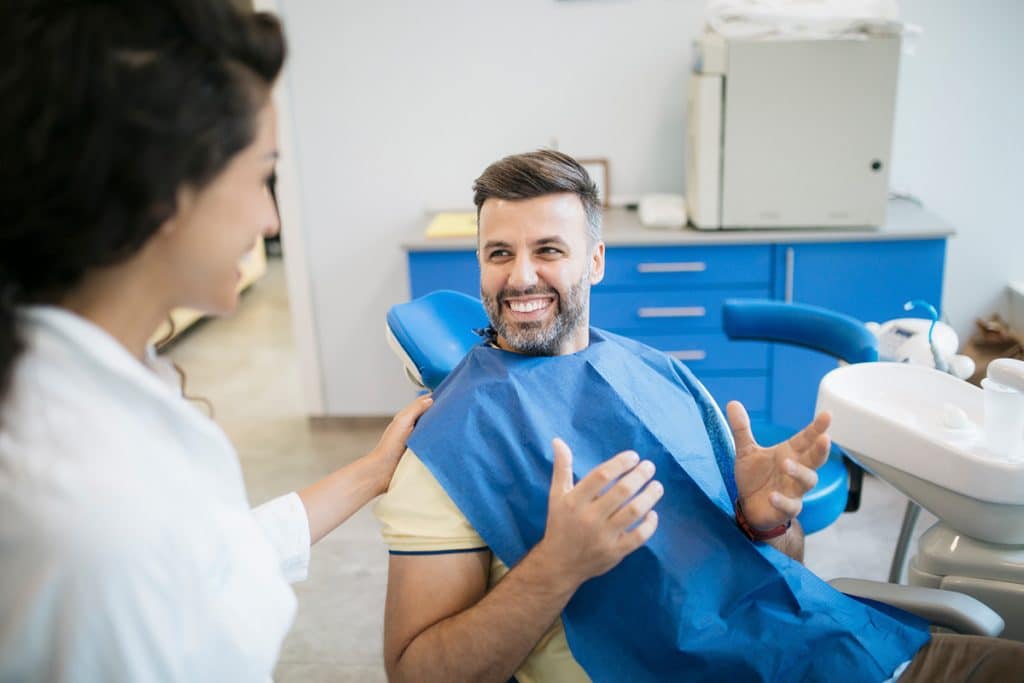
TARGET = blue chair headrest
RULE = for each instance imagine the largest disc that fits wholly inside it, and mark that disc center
(437, 330)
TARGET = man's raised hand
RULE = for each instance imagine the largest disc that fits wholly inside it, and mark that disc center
(771, 482)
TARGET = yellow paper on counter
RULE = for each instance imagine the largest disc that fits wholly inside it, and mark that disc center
(453, 224)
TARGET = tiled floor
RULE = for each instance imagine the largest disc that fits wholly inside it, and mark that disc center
(246, 366)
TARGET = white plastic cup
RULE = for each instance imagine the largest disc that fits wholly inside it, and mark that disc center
(1004, 419)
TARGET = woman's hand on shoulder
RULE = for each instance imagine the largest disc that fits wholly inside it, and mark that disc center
(392, 444)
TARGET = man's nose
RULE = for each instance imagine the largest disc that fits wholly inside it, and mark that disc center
(523, 274)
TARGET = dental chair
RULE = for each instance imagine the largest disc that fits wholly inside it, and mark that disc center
(433, 333)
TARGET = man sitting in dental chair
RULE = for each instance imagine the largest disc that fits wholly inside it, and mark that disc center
(593, 592)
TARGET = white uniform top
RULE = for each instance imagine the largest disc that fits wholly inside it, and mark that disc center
(128, 551)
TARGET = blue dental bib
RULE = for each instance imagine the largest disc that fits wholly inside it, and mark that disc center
(699, 601)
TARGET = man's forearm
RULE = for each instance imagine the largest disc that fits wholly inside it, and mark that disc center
(488, 641)
(791, 543)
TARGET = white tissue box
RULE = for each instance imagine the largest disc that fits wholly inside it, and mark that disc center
(1016, 318)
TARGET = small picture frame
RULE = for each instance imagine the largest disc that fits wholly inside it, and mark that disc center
(597, 169)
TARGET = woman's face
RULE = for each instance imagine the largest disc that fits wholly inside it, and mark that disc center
(218, 225)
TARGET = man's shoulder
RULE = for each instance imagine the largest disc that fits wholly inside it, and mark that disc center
(418, 516)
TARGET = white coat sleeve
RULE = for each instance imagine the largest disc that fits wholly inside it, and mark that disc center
(285, 522)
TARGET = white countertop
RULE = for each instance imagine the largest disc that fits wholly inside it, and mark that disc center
(905, 221)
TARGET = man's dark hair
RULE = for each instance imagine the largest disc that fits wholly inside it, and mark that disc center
(109, 108)
(535, 174)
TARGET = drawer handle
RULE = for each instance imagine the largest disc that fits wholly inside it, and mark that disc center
(679, 267)
(672, 312)
(689, 354)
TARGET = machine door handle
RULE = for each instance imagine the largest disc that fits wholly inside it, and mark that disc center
(689, 354)
(671, 312)
(677, 267)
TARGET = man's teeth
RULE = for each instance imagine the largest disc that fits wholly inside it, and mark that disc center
(527, 306)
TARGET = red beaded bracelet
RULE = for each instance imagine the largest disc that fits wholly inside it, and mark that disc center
(755, 534)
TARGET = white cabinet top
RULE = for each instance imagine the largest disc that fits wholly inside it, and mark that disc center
(905, 220)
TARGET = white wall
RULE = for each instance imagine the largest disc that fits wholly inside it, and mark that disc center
(959, 143)
(399, 105)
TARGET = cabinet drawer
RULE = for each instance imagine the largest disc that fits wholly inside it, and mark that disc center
(752, 392)
(710, 351)
(661, 267)
(662, 310)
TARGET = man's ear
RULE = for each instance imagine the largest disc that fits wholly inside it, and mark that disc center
(597, 263)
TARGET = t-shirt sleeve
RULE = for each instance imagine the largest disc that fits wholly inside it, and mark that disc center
(418, 517)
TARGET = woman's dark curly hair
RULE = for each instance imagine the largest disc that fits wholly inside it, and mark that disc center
(107, 109)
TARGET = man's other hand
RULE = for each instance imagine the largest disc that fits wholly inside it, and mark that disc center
(771, 482)
(593, 524)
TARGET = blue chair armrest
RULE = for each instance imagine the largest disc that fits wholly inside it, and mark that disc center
(812, 327)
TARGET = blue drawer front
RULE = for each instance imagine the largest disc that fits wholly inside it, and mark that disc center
(709, 351)
(662, 311)
(751, 391)
(665, 267)
(433, 270)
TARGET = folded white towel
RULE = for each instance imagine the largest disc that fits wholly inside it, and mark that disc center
(806, 19)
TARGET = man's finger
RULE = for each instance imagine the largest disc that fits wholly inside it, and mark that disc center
(637, 508)
(625, 488)
(639, 535)
(818, 454)
(788, 506)
(805, 477)
(561, 472)
(804, 439)
(592, 485)
(739, 422)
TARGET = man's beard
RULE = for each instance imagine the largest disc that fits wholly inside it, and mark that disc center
(540, 338)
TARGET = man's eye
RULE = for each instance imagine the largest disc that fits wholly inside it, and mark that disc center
(499, 253)
(551, 251)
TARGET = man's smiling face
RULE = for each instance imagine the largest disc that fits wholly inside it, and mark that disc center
(536, 270)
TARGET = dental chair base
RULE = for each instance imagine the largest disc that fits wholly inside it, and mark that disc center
(992, 573)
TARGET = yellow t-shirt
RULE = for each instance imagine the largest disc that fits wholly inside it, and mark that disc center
(417, 515)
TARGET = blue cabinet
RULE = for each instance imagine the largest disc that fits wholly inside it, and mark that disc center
(670, 297)
(867, 280)
(433, 270)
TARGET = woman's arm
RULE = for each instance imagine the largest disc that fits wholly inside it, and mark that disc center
(333, 499)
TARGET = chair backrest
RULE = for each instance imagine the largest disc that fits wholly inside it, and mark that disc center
(434, 333)
(813, 327)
